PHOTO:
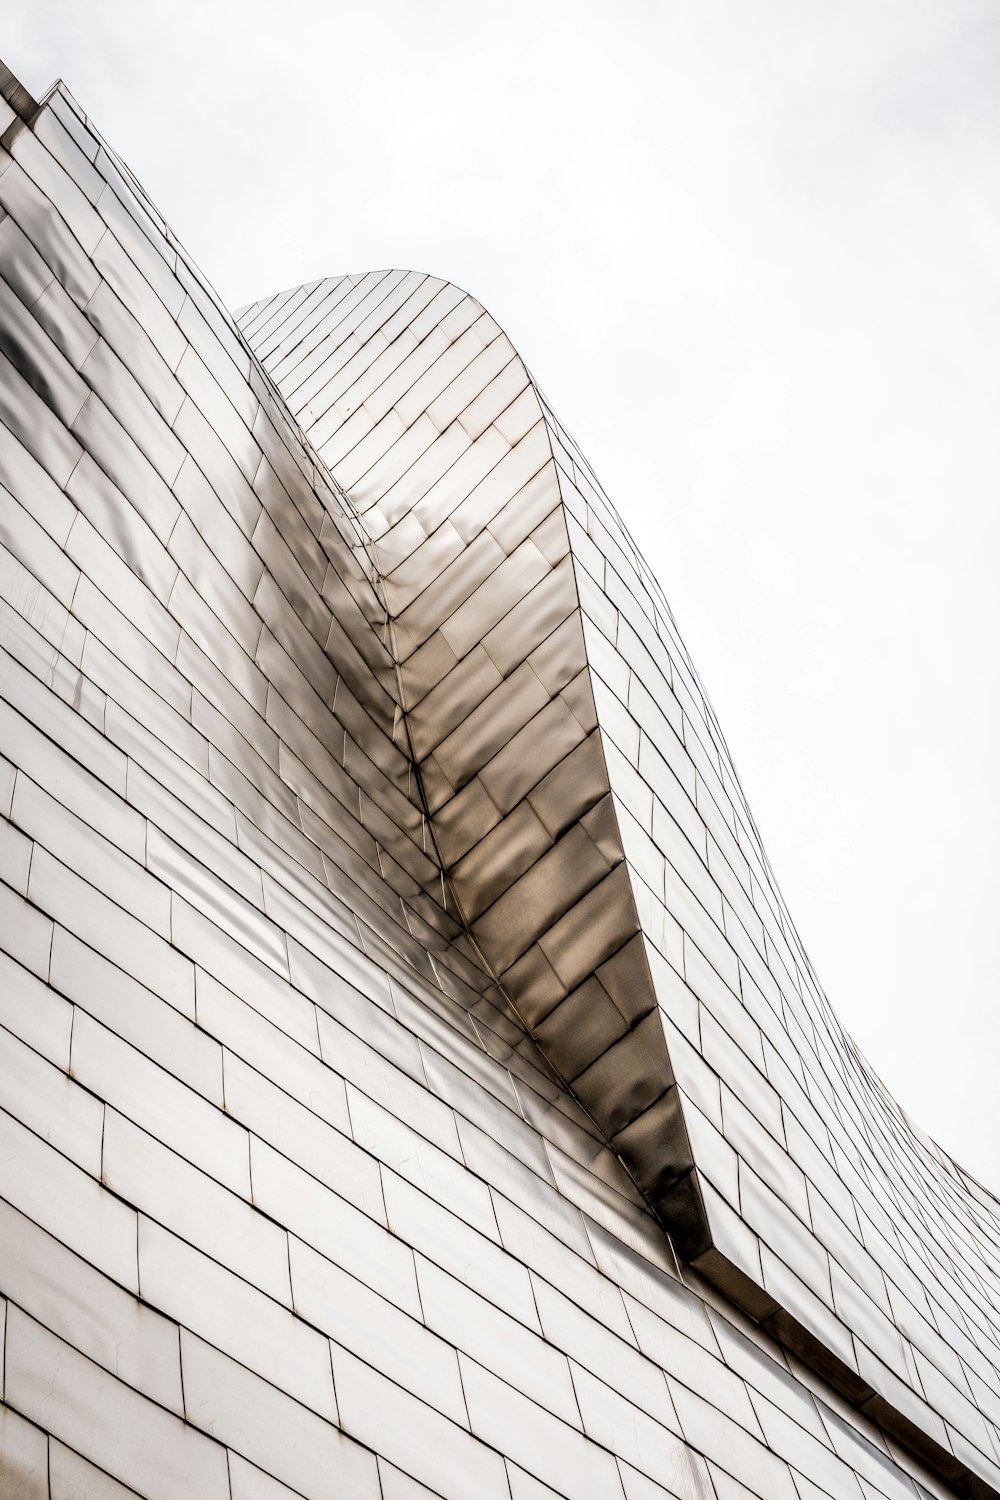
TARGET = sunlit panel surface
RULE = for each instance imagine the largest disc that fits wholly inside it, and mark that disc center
(411, 1080)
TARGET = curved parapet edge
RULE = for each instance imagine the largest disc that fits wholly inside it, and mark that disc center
(428, 418)
(599, 847)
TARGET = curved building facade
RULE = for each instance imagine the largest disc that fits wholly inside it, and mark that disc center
(411, 1081)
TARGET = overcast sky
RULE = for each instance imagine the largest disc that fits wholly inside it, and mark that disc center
(751, 252)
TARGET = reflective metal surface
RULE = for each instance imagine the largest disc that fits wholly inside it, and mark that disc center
(411, 1082)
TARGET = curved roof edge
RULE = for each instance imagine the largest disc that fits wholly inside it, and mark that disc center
(600, 850)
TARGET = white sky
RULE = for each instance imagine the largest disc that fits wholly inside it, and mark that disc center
(752, 254)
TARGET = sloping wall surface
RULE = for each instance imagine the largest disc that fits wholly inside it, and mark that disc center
(365, 1009)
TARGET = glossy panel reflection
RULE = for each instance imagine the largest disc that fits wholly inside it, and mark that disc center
(410, 1080)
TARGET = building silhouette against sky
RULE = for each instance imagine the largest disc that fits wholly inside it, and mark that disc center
(412, 1081)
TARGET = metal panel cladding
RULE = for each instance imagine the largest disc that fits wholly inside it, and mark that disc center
(411, 1082)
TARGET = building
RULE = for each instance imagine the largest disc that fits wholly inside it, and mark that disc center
(412, 1081)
